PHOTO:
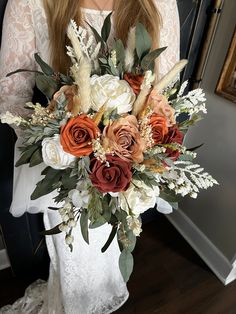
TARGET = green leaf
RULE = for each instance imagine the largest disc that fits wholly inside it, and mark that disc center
(97, 36)
(84, 225)
(149, 180)
(47, 85)
(26, 156)
(53, 208)
(36, 158)
(23, 70)
(170, 196)
(66, 79)
(43, 65)
(52, 231)
(126, 264)
(132, 240)
(98, 223)
(192, 149)
(106, 28)
(148, 62)
(47, 185)
(143, 41)
(110, 239)
(174, 205)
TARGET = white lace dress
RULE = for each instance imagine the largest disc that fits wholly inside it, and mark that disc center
(85, 281)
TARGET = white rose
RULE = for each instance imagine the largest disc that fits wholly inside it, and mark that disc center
(139, 197)
(54, 155)
(110, 90)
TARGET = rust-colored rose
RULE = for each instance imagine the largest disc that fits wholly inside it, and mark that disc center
(77, 135)
(135, 81)
(173, 136)
(160, 106)
(114, 177)
(122, 137)
(159, 128)
(71, 95)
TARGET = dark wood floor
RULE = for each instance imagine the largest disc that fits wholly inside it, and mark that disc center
(169, 278)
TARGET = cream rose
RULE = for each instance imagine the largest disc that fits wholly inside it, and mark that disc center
(138, 198)
(54, 155)
(110, 90)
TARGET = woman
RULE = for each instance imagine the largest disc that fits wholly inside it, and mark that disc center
(85, 281)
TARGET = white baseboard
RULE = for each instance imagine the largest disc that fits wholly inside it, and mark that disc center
(4, 260)
(213, 257)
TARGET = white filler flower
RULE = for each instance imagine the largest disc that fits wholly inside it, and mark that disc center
(54, 155)
(110, 90)
(138, 198)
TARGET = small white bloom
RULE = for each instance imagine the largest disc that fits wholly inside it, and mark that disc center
(110, 90)
(139, 197)
(72, 223)
(63, 227)
(69, 239)
(135, 225)
(80, 196)
(54, 155)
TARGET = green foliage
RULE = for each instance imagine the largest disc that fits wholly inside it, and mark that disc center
(84, 225)
(52, 231)
(43, 65)
(148, 61)
(143, 41)
(36, 158)
(148, 179)
(47, 184)
(27, 154)
(110, 239)
(46, 84)
(169, 196)
(126, 264)
(106, 28)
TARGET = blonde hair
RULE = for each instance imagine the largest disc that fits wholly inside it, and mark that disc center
(126, 14)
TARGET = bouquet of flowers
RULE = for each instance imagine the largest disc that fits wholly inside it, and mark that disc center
(110, 137)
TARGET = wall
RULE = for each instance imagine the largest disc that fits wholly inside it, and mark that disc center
(214, 212)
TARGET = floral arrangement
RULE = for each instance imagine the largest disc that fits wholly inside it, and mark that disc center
(111, 137)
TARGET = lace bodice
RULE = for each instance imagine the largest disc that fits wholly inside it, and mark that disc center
(25, 32)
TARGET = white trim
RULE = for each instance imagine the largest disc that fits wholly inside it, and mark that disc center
(219, 264)
(4, 260)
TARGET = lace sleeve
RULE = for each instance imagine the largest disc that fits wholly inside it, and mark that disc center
(169, 34)
(17, 51)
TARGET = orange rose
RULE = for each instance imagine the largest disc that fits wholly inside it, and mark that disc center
(122, 137)
(77, 135)
(160, 106)
(70, 92)
(135, 81)
(159, 128)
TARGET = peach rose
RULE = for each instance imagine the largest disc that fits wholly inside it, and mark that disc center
(70, 92)
(77, 135)
(159, 128)
(160, 106)
(122, 137)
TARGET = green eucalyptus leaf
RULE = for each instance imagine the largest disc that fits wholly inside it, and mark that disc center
(106, 28)
(110, 239)
(120, 51)
(143, 41)
(148, 61)
(23, 70)
(36, 158)
(98, 223)
(126, 264)
(26, 156)
(97, 36)
(169, 196)
(43, 65)
(46, 84)
(52, 231)
(84, 225)
(47, 185)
